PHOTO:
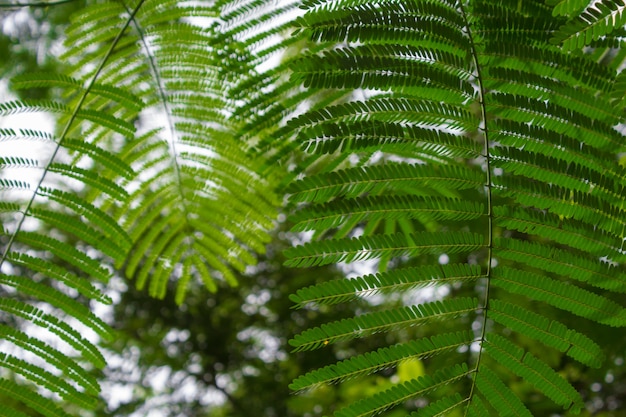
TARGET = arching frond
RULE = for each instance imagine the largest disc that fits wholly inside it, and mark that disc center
(522, 135)
(399, 280)
(501, 398)
(377, 322)
(596, 20)
(550, 333)
(198, 193)
(383, 358)
(40, 269)
(401, 392)
(534, 371)
(354, 182)
(369, 247)
(146, 173)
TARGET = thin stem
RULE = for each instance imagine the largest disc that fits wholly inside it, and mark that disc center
(66, 130)
(488, 189)
(168, 113)
(15, 6)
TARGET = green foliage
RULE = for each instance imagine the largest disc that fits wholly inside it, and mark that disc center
(591, 23)
(147, 178)
(471, 146)
(547, 177)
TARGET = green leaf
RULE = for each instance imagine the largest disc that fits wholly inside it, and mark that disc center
(380, 179)
(398, 280)
(405, 356)
(549, 332)
(403, 391)
(382, 321)
(534, 371)
(560, 294)
(498, 395)
(370, 247)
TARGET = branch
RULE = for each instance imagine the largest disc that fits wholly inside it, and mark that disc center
(15, 6)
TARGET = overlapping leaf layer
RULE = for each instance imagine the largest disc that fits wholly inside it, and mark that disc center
(146, 178)
(495, 173)
(468, 146)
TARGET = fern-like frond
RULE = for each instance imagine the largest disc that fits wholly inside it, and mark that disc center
(369, 247)
(58, 237)
(597, 20)
(444, 88)
(469, 145)
(499, 396)
(404, 391)
(384, 67)
(534, 371)
(109, 92)
(568, 175)
(44, 406)
(377, 322)
(53, 357)
(400, 280)
(62, 329)
(572, 233)
(196, 191)
(567, 7)
(372, 209)
(567, 297)
(379, 179)
(47, 380)
(558, 119)
(382, 359)
(550, 333)
(160, 183)
(330, 136)
(578, 266)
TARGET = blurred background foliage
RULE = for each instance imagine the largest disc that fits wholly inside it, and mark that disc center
(227, 354)
(30, 39)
